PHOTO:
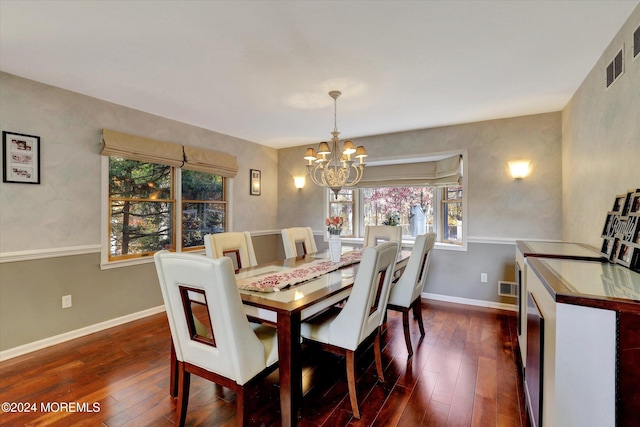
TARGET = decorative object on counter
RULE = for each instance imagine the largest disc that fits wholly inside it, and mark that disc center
(621, 232)
(335, 170)
(21, 157)
(519, 168)
(254, 183)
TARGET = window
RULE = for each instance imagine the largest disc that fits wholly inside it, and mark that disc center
(408, 207)
(421, 196)
(142, 208)
(342, 206)
(204, 209)
(451, 215)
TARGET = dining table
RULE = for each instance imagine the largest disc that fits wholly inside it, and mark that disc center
(278, 294)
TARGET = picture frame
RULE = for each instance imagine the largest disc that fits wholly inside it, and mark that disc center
(255, 184)
(21, 158)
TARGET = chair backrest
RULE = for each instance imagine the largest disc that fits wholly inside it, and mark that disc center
(376, 234)
(298, 236)
(236, 245)
(365, 308)
(411, 283)
(204, 287)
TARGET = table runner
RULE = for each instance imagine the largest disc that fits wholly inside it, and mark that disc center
(273, 282)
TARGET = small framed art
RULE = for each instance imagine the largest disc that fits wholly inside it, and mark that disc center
(21, 157)
(254, 182)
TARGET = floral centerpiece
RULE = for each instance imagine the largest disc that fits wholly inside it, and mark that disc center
(334, 225)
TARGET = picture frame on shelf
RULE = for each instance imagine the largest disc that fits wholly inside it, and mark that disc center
(255, 184)
(21, 158)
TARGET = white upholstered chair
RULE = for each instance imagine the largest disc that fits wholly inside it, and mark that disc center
(232, 353)
(405, 294)
(236, 245)
(342, 331)
(298, 236)
(375, 234)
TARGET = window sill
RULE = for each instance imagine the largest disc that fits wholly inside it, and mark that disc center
(405, 244)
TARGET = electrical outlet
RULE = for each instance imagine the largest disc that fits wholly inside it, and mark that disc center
(66, 301)
(483, 277)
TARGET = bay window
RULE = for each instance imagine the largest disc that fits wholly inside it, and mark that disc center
(419, 197)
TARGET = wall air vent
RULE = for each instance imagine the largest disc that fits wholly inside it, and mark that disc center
(615, 68)
(636, 43)
(507, 289)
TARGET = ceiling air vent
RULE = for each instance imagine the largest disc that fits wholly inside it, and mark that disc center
(636, 43)
(615, 68)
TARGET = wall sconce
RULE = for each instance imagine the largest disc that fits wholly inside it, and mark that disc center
(519, 168)
(299, 181)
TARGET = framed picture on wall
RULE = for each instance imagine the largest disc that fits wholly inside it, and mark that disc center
(21, 157)
(254, 182)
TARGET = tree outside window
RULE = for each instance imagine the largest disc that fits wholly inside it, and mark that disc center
(141, 207)
(452, 212)
(142, 202)
(408, 207)
(204, 210)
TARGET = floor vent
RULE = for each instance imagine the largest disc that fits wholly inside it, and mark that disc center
(636, 43)
(615, 68)
(507, 289)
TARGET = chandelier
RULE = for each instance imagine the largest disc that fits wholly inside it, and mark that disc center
(330, 167)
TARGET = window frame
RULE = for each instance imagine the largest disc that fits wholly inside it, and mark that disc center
(439, 244)
(134, 259)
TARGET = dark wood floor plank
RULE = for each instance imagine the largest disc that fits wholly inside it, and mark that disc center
(464, 372)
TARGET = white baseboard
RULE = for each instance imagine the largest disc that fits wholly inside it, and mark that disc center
(57, 339)
(468, 301)
(67, 336)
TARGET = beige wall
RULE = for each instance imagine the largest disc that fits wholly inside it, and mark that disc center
(64, 211)
(499, 207)
(601, 142)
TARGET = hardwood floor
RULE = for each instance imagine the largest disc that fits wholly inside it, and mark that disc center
(463, 373)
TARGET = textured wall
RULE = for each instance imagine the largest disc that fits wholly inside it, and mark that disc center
(65, 209)
(601, 142)
(497, 205)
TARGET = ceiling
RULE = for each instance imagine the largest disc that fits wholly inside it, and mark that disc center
(261, 70)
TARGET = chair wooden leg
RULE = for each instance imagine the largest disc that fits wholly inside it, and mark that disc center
(405, 327)
(173, 378)
(378, 355)
(417, 314)
(351, 380)
(242, 407)
(184, 379)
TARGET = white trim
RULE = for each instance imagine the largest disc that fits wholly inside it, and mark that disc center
(468, 301)
(67, 336)
(269, 232)
(48, 253)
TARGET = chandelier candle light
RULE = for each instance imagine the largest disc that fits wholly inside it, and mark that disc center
(333, 168)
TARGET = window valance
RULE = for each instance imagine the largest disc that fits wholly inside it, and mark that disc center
(197, 159)
(444, 172)
(133, 147)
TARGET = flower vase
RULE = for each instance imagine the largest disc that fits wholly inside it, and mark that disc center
(335, 247)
